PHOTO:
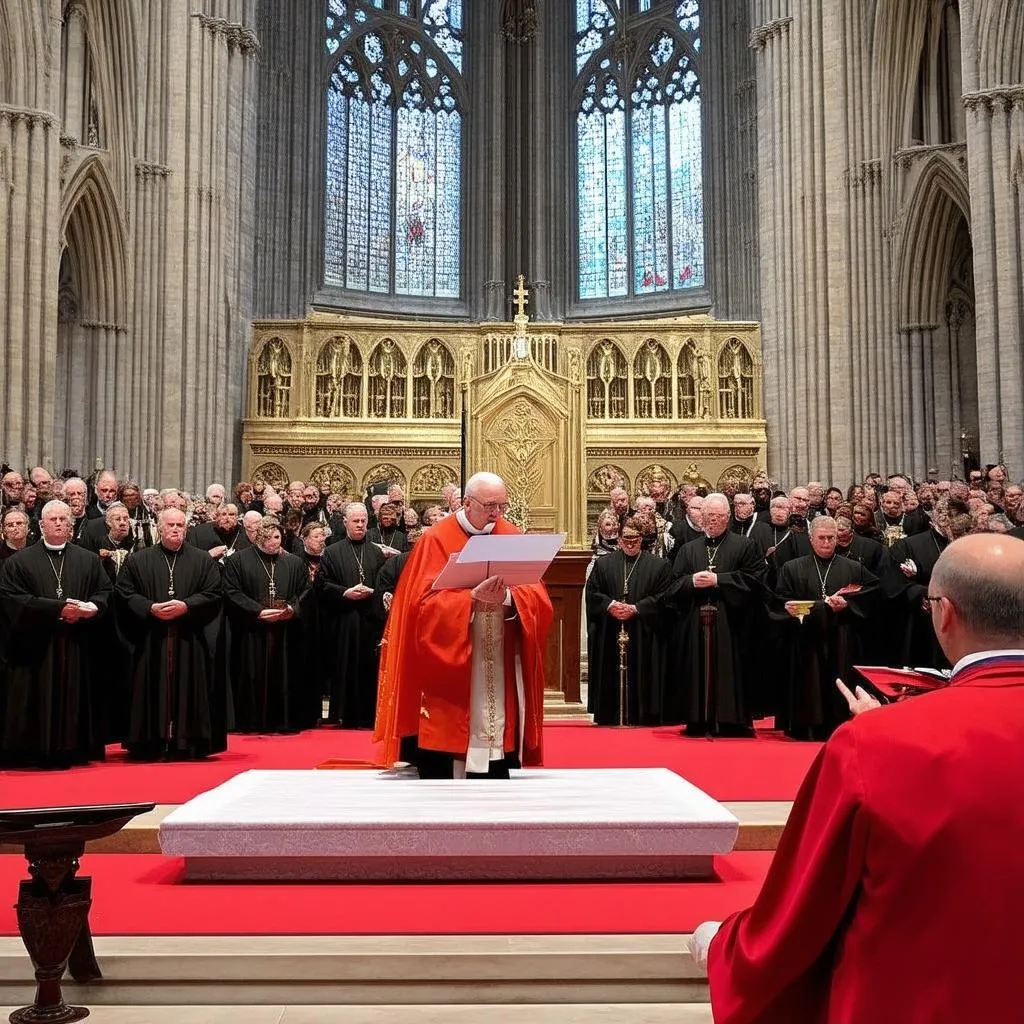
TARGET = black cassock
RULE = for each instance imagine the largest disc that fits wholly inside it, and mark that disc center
(916, 644)
(114, 700)
(352, 630)
(825, 645)
(650, 580)
(391, 537)
(178, 699)
(272, 691)
(51, 713)
(739, 565)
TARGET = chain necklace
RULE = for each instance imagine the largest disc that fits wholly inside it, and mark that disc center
(170, 563)
(272, 584)
(387, 543)
(775, 532)
(713, 553)
(58, 573)
(358, 559)
(823, 579)
(626, 575)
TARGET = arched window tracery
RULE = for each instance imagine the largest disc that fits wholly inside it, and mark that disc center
(394, 153)
(639, 151)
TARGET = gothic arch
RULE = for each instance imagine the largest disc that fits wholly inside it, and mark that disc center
(936, 209)
(899, 37)
(1001, 43)
(94, 236)
(111, 33)
(22, 55)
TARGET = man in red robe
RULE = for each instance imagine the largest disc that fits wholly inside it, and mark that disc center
(461, 688)
(897, 891)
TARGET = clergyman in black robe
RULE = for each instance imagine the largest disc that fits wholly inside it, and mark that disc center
(169, 596)
(827, 641)
(718, 585)
(627, 591)
(52, 595)
(353, 623)
(264, 590)
(906, 583)
(111, 538)
(388, 532)
(222, 537)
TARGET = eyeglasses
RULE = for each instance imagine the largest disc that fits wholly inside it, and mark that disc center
(491, 506)
(934, 600)
(628, 538)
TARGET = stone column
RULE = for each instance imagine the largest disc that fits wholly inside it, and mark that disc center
(486, 176)
(29, 252)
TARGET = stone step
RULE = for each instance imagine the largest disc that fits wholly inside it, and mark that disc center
(563, 1013)
(761, 824)
(370, 971)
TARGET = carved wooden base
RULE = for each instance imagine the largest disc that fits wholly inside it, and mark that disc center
(53, 908)
(53, 918)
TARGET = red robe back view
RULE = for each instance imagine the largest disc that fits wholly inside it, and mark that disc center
(897, 891)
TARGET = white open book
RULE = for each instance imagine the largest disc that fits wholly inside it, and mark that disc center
(517, 558)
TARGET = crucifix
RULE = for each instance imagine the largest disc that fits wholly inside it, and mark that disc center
(521, 295)
(521, 319)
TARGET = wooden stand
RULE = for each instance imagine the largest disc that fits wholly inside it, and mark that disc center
(53, 908)
(565, 579)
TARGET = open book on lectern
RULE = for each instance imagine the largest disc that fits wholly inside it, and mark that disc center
(518, 558)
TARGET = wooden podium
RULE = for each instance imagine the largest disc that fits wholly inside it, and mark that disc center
(565, 579)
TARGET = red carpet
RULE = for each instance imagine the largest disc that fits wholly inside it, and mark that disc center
(140, 895)
(768, 768)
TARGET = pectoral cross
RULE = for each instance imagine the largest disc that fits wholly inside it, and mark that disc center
(272, 591)
(521, 295)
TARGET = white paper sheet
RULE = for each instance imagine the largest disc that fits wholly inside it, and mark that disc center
(518, 558)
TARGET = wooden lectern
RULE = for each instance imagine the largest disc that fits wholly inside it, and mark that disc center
(53, 908)
(565, 579)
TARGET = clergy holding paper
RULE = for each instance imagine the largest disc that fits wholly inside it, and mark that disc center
(462, 670)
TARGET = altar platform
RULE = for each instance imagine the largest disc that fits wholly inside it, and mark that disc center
(543, 824)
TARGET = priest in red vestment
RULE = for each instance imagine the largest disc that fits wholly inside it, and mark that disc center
(461, 688)
(897, 891)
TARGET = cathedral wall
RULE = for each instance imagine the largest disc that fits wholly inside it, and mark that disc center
(126, 145)
(891, 240)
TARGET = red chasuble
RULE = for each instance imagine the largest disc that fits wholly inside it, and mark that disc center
(424, 682)
(897, 891)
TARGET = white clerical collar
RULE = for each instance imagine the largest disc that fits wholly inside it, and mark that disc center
(54, 547)
(969, 659)
(469, 527)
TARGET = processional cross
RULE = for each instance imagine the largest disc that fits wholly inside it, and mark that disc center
(521, 319)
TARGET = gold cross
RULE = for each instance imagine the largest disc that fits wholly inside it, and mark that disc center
(520, 295)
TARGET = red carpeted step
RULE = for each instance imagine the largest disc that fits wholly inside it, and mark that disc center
(142, 894)
(767, 768)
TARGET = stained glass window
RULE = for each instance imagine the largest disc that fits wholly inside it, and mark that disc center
(394, 150)
(639, 152)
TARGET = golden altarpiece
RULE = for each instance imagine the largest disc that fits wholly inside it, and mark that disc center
(562, 411)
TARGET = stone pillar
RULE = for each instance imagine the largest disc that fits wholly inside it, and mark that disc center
(29, 252)
(484, 267)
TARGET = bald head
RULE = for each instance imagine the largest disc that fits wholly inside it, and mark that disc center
(979, 585)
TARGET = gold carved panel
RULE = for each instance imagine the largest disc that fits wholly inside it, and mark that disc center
(336, 478)
(343, 400)
(604, 478)
(384, 471)
(429, 481)
(271, 473)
